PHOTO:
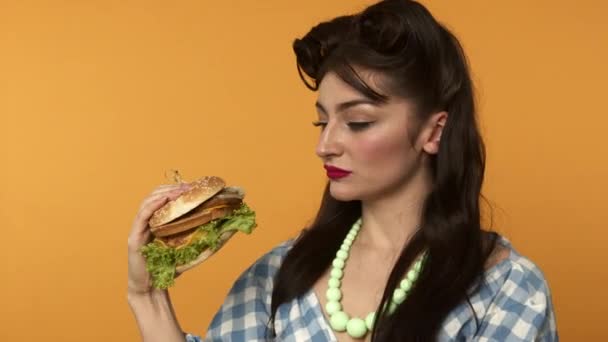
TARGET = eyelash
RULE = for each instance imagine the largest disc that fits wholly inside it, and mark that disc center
(355, 126)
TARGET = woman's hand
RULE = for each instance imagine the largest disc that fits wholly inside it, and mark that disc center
(139, 278)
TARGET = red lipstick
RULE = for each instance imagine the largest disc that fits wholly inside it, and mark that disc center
(335, 172)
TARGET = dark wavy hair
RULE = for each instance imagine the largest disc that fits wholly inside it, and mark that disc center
(423, 62)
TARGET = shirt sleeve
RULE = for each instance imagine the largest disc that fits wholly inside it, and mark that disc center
(245, 313)
(522, 309)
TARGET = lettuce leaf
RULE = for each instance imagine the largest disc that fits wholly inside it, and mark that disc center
(242, 219)
(160, 263)
(162, 260)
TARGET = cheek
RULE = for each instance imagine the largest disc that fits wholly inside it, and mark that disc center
(382, 149)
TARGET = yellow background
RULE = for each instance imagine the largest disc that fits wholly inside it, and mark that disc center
(99, 98)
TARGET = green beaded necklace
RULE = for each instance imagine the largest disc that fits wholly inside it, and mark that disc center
(340, 320)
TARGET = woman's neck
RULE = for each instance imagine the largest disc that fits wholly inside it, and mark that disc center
(391, 220)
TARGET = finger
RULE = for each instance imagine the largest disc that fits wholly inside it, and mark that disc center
(169, 187)
(171, 195)
(166, 192)
(150, 205)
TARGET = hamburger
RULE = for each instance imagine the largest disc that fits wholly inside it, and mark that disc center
(192, 227)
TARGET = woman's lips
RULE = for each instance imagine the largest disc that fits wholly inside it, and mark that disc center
(335, 172)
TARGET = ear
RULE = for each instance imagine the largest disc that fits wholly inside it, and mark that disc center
(435, 126)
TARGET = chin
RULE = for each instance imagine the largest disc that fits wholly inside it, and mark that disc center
(343, 192)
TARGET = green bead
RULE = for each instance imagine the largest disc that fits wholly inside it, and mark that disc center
(370, 320)
(356, 327)
(334, 282)
(352, 234)
(349, 239)
(347, 242)
(418, 265)
(338, 263)
(398, 296)
(412, 275)
(336, 273)
(332, 307)
(338, 321)
(342, 254)
(392, 307)
(333, 294)
(406, 285)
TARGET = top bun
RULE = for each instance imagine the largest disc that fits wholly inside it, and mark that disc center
(200, 191)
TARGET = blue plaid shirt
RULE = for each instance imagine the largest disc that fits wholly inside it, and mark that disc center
(513, 304)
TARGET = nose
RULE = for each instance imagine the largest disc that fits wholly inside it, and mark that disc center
(329, 143)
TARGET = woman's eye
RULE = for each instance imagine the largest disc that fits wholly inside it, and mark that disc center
(358, 126)
(354, 126)
(319, 124)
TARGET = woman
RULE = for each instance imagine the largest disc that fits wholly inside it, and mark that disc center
(397, 251)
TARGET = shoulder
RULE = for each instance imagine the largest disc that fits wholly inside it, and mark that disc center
(274, 257)
(508, 268)
(262, 271)
(514, 300)
(246, 309)
(256, 282)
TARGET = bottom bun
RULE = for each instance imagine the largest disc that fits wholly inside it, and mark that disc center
(206, 253)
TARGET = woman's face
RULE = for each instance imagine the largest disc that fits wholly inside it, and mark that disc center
(371, 141)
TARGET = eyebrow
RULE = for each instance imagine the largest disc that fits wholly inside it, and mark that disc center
(346, 105)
